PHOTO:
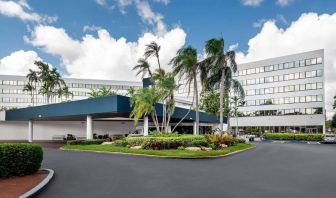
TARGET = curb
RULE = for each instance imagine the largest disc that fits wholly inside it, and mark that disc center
(157, 156)
(37, 189)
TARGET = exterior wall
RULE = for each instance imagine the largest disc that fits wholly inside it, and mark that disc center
(283, 120)
(45, 130)
(11, 94)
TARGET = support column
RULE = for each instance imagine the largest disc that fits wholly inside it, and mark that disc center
(30, 131)
(145, 129)
(195, 128)
(89, 127)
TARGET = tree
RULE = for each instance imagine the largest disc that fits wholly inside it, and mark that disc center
(218, 68)
(236, 102)
(102, 92)
(29, 88)
(32, 83)
(143, 102)
(333, 121)
(143, 68)
(209, 102)
(151, 50)
(334, 105)
(185, 65)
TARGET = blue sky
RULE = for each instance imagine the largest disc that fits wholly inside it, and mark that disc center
(200, 19)
(103, 39)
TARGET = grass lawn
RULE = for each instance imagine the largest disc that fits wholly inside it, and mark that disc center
(162, 153)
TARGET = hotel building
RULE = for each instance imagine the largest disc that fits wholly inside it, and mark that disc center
(284, 94)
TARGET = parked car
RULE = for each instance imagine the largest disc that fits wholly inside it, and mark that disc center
(329, 138)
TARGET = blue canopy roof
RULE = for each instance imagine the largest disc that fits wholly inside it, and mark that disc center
(103, 107)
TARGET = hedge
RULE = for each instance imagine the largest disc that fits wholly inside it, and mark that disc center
(19, 159)
(85, 142)
(167, 142)
(293, 136)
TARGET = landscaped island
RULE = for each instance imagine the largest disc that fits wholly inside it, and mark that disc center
(167, 145)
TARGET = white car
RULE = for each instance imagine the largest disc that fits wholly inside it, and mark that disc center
(329, 138)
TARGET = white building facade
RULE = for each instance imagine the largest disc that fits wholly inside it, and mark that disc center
(284, 94)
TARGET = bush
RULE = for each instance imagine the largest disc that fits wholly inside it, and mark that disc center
(19, 159)
(121, 142)
(151, 142)
(293, 136)
(221, 138)
(162, 134)
(239, 141)
(85, 142)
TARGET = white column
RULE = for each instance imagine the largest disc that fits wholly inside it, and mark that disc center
(89, 127)
(145, 130)
(30, 131)
(195, 128)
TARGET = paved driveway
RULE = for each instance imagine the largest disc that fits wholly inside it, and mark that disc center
(270, 170)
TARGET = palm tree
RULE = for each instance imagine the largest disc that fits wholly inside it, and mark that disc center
(236, 101)
(29, 88)
(185, 65)
(218, 67)
(151, 50)
(334, 105)
(32, 81)
(143, 68)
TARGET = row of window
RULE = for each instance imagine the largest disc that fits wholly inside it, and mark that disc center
(280, 112)
(285, 100)
(20, 91)
(283, 89)
(284, 77)
(71, 85)
(281, 66)
(24, 100)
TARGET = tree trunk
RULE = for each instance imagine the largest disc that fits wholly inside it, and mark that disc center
(197, 105)
(192, 103)
(237, 123)
(221, 103)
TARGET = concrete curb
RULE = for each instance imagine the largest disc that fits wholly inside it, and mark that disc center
(157, 156)
(37, 189)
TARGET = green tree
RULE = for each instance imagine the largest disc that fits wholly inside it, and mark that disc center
(334, 105)
(235, 103)
(152, 50)
(218, 68)
(333, 121)
(33, 79)
(185, 65)
(209, 101)
(102, 92)
(143, 68)
(30, 89)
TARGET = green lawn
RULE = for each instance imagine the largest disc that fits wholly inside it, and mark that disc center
(162, 153)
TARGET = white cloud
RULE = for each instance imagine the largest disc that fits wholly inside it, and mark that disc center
(279, 18)
(254, 3)
(91, 28)
(22, 10)
(259, 23)
(103, 56)
(18, 63)
(310, 32)
(101, 2)
(233, 47)
(284, 2)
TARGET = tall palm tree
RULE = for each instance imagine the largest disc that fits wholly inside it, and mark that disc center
(218, 67)
(32, 81)
(151, 50)
(30, 89)
(236, 101)
(143, 68)
(185, 65)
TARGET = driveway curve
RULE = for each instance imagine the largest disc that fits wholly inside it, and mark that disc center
(270, 170)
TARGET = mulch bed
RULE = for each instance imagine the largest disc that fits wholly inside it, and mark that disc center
(16, 186)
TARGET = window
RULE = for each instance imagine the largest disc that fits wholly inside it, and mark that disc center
(319, 85)
(290, 65)
(313, 98)
(257, 70)
(240, 72)
(297, 75)
(287, 101)
(291, 76)
(303, 111)
(297, 64)
(297, 99)
(281, 89)
(286, 77)
(262, 80)
(302, 75)
(308, 86)
(313, 86)
(244, 72)
(308, 74)
(276, 78)
(297, 87)
(276, 67)
(307, 62)
(286, 88)
(302, 63)
(262, 69)
(319, 60)
(313, 61)
(281, 78)
(281, 66)
(319, 72)
(257, 81)
(319, 98)
(302, 99)
(308, 98)
(262, 91)
(276, 89)
(313, 73)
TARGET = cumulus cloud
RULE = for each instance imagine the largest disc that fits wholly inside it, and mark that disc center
(284, 2)
(103, 56)
(22, 10)
(18, 63)
(91, 28)
(310, 32)
(254, 3)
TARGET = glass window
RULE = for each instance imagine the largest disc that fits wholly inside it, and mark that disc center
(319, 85)
(308, 111)
(308, 98)
(286, 65)
(262, 91)
(297, 75)
(302, 75)
(281, 66)
(291, 100)
(257, 91)
(261, 69)
(319, 72)
(286, 77)
(257, 81)
(297, 99)
(244, 72)
(281, 100)
(319, 60)
(240, 72)
(290, 65)
(253, 71)
(308, 86)
(281, 78)
(267, 91)
(307, 62)
(276, 78)
(257, 70)
(313, 98)
(313, 86)
(313, 73)
(276, 89)
(286, 100)
(286, 88)
(281, 89)
(271, 68)
(313, 61)
(291, 76)
(302, 99)
(297, 87)
(297, 63)
(302, 87)
(319, 98)
(303, 111)
(248, 72)
(276, 67)
(302, 63)
(308, 74)
(262, 80)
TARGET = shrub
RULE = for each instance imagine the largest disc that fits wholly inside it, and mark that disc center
(162, 134)
(151, 142)
(239, 141)
(293, 136)
(85, 142)
(221, 138)
(121, 142)
(19, 159)
(180, 148)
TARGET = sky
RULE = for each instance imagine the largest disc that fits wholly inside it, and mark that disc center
(103, 39)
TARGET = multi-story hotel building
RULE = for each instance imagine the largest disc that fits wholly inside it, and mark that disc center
(12, 94)
(283, 94)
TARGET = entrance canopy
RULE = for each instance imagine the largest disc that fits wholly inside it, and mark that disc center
(104, 107)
